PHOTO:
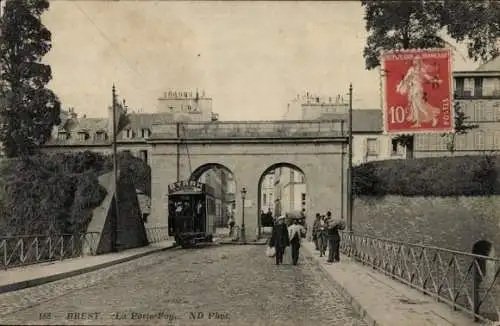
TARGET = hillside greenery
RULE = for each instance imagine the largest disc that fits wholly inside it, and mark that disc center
(56, 193)
(436, 176)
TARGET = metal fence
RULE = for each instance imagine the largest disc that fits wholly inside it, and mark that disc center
(25, 250)
(466, 282)
(32, 249)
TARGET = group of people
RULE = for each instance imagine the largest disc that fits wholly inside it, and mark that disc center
(283, 236)
(325, 234)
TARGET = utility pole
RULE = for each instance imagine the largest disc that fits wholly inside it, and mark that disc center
(114, 217)
(350, 199)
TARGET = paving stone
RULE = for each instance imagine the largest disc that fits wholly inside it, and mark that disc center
(223, 285)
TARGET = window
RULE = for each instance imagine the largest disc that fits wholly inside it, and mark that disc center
(83, 136)
(264, 199)
(100, 135)
(129, 133)
(479, 140)
(489, 113)
(468, 87)
(371, 147)
(303, 196)
(478, 86)
(489, 140)
(460, 142)
(496, 112)
(62, 135)
(270, 198)
(394, 145)
(491, 86)
(145, 133)
(144, 155)
(478, 112)
(459, 86)
(496, 140)
(189, 108)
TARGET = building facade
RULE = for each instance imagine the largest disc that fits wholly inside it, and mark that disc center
(267, 193)
(478, 93)
(186, 106)
(290, 190)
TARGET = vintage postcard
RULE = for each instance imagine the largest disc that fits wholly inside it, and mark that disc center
(249, 162)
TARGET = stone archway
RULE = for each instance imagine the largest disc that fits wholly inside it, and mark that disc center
(289, 189)
(223, 180)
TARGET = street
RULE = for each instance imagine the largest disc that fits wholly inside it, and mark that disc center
(222, 285)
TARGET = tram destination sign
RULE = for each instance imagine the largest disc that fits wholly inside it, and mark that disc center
(183, 185)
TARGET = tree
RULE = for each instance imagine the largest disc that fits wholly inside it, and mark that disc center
(30, 110)
(461, 127)
(475, 22)
(398, 25)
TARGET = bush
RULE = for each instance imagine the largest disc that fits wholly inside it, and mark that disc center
(50, 194)
(56, 193)
(437, 176)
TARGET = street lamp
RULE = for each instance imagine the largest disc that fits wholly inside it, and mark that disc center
(243, 195)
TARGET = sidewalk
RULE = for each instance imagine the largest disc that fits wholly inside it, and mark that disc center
(32, 275)
(384, 301)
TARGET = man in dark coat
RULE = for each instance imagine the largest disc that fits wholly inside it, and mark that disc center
(295, 232)
(279, 239)
(315, 231)
(333, 240)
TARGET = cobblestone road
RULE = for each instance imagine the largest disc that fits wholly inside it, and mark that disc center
(227, 285)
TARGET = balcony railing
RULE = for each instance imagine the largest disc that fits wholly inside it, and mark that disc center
(250, 129)
(466, 282)
(26, 250)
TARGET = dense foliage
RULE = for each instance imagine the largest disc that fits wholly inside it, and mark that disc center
(28, 109)
(56, 193)
(437, 176)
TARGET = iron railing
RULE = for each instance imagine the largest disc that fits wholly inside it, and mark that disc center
(18, 251)
(466, 282)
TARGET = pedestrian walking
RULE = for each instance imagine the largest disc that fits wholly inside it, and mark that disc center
(333, 239)
(315, 230)
(279, 239)
(322, 237)
(231, 224)
(295, 232)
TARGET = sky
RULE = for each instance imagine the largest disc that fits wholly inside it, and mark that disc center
(251, 58)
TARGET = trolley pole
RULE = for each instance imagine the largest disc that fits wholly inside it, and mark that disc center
(114, 217)
(350, 199)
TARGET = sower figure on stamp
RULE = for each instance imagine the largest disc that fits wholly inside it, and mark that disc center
(279, 239)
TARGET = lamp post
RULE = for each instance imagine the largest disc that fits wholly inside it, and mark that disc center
(350, 199)
(243, 195)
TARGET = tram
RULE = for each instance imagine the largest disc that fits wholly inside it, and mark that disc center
(191, 213)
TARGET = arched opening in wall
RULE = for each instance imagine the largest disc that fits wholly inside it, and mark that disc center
(223, 183)
(282, 189)
(486, 278)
